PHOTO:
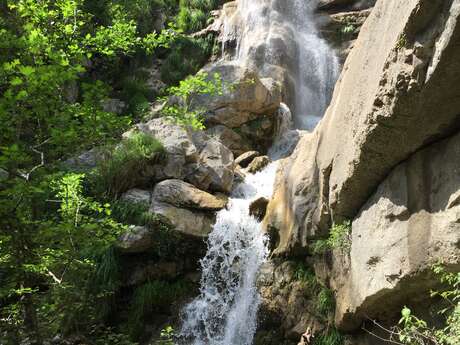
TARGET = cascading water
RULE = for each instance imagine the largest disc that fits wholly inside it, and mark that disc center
(225, 312)
(283, 33)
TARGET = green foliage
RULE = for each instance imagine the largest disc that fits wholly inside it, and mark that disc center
(123, 167)
(182, 109)
(323, 297)
(166, 336)
(330, 337)
(306, 275)
(185, 57)
(339, 238)
(194, 14)
(56, 239)
(325, 303)
(416, 331)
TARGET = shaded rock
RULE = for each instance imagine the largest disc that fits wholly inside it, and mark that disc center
(230, 138)
(195, 224)
(258, 164)
(183, 194)
(136, 240)
(4, 175)
(335, 5)
(239, 175)
(113, 105)
(153, 271)
(258, 208)
(287, 304)
(407, 226)
(136, 195)
(246, 158)
(86, 160)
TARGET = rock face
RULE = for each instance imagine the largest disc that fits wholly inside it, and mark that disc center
(244, 116)
(187, 222)
(287, 306)
(191, 156)
(410, 223)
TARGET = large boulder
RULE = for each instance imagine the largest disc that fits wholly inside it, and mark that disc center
(183, 194)
(406, 97)
(245, 99)
(196, 224)
(191, 155)
(410, 223)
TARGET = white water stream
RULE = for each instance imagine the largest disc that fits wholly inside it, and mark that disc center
(225, 312)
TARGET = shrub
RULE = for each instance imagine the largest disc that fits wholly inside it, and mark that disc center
(325, 303)
(184, 110)
(339, 237)
(123, 167)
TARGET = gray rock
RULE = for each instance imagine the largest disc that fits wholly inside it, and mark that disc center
(113, 105)
(136, 195)
(231, 139)
(190, 223)
(258, 164)
(408, 225)
(86, 160)
(191, 156)
(183, 194)
(246, 158)
(378, 117)
(136, 240)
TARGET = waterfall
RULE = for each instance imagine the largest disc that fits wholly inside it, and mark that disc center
(274, 35)
(225, 311)
(283, 34)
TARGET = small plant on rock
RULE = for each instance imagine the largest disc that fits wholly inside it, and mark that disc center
(181, 107)
(122, 168)
(339, 237)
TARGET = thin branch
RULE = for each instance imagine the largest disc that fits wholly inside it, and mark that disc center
(56, 279)
(26, 176)
(381, 338)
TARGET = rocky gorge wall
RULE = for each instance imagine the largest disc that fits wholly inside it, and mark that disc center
(385, 156)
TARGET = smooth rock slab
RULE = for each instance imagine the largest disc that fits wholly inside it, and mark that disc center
(182, 194)
(190, 223)
(409, 224)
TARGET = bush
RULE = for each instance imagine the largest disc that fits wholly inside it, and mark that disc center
(325, 303)
(339, 237)
(123, 168)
